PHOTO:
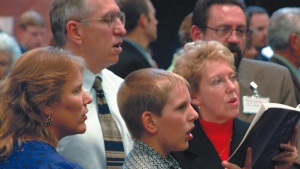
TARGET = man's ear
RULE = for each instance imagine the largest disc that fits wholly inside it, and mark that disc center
(196, 33)
(143, 20)
(149, 122)
(294, 42)
(74, 31)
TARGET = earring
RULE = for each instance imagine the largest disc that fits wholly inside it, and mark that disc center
(49, 120)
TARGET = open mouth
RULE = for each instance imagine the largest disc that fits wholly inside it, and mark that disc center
(189, 135)
(232, 100)
(117, 46)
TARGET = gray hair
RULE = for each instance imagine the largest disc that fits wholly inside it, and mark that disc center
(62, 11)
(9, 45)
(283, 23)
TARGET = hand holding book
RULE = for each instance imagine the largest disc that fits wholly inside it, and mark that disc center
(272, 126)
(287, 157)
(247, 164)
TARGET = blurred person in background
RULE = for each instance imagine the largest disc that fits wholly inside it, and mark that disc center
(258, 22)
(141, 28)
(284, 39)
(184, 34)
(9, 51)
(250, 50)
(31, 30)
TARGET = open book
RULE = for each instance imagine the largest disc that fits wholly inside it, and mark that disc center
(271, 126)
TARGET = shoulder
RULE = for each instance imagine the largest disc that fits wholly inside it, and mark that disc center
(36, 154)
(109, 76)
(136, 160)
(61, 164)
(261, 64)
(252, 67)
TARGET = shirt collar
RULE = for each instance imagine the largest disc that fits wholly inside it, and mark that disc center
(169, 161)
(88, 80)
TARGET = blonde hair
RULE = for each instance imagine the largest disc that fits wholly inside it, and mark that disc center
(145, 90)
(36, 79)
(194, 59)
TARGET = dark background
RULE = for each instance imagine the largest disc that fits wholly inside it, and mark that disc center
(170, 13)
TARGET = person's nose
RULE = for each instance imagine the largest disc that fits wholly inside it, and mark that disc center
(231, 85)
(193, 114)
(156, 21)
(87, 99)
(119, 28)
(233, 37)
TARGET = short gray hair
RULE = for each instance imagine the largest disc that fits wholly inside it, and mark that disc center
(283, 23)
(62, 11)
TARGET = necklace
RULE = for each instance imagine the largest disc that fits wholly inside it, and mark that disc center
(225, 148)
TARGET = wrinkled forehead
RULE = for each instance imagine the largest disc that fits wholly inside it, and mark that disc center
(102, 7)
(226, 15)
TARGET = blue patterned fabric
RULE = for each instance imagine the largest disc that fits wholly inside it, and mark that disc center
(145, 157)
(36, 155)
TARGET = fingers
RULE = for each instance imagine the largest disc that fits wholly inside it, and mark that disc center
(289, 155)
(228, 165)
(287, 147)
(247, 165)
(248, 161)
(293, 137)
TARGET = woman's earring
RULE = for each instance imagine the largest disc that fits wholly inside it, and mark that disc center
(49, 119)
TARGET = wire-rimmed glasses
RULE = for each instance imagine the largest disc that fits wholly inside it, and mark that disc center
(110, 18)
(225, 32)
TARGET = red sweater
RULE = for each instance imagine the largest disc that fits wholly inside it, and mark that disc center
(220, 135)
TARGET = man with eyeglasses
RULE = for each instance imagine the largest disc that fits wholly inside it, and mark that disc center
(93, 29)
(141, 27)
(225, 21)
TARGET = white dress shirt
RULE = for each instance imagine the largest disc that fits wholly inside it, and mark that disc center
(88, 149)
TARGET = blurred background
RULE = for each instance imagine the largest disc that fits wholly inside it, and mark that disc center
(169, 13)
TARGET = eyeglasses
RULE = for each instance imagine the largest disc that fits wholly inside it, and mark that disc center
(219, 82)
(225, 32)
(110, 18)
